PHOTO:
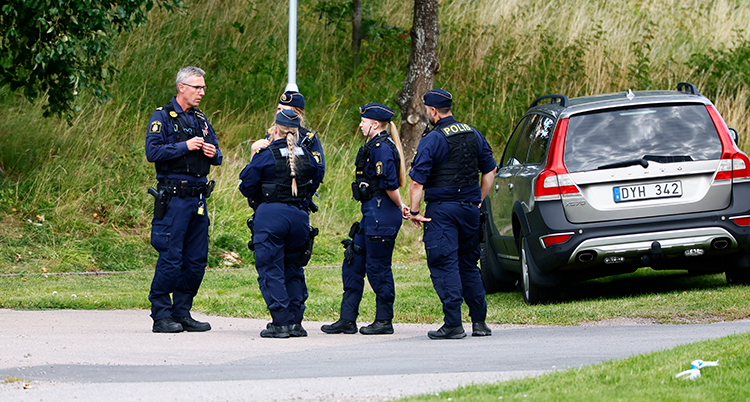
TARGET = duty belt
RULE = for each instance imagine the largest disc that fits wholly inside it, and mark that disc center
(181, 188)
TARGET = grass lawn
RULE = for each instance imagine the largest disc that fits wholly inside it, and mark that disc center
(649, 377)
(661, 297)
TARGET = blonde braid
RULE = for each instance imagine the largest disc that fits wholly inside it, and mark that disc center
(290, 134)
(402, 165)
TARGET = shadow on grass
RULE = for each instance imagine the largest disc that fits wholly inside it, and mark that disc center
(645, 281)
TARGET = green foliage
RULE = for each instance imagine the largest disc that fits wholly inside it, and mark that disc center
(59, 48)
(726, 69)
(89, 178)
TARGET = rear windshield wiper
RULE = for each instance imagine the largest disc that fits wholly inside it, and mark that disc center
(641, 161)
(668, 158)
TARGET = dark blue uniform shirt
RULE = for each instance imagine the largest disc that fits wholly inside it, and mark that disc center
(383, 165)
(433, 148)
(263, 168)
(160, 145)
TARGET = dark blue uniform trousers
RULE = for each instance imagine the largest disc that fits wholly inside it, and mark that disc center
(378, 229)
(451, 242)
(181, 239)
(280, 232)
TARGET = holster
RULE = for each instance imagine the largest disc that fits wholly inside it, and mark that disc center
(351, 249)
(161, 200)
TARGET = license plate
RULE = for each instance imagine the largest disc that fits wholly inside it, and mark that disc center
(647, 191)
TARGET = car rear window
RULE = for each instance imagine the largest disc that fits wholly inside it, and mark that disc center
(661, 133)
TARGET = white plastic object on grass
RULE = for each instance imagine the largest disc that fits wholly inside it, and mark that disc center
(695, 369)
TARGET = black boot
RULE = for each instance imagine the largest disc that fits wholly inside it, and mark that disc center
(446, 332)
(296, 331)
(377, 328)
(191, 325)
(340, 326)
(166, 325)
(480, 329)
(275, 331)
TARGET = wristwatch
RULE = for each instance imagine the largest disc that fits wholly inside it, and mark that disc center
(414, 213)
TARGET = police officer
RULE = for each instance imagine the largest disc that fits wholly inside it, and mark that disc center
(445, 169)
(292, 100)
(379, 174)
(280, 178)
(183, 146)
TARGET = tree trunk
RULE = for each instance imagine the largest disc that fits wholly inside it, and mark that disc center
(420, 75)
(356, 29)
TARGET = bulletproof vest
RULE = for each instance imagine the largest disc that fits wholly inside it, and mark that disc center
(461, 169)
(194, 163)
(365, 186)
(279, 189)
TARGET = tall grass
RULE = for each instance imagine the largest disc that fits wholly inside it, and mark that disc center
(87, 178)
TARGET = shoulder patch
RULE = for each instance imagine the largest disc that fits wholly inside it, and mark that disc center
(155, 127)
(455, 128)
(316, 155)
(379, 168)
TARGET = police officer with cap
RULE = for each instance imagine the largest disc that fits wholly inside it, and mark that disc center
(278, 180)
(379, 174)
(446, 170)
(182, 144)
(292, 100)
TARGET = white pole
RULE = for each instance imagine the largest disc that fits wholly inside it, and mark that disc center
(292, 80)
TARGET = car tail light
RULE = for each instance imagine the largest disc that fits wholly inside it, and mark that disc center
(551, 240)
(734, 164)
(554, 180)
(741, 220)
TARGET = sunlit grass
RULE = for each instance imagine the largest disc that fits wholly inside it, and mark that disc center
(646, 296)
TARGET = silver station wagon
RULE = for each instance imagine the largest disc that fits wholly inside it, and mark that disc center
(602, 185)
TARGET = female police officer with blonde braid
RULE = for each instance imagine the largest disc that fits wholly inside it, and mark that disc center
(379, 174)
(280, 178)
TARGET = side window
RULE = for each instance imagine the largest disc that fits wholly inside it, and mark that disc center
(525, 137)
(541, 134)
(510, 147)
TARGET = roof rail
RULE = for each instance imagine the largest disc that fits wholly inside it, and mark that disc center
(687, 88)
(561, 100)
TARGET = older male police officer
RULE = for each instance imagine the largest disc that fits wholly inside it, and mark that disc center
(446, 169)
(183, 146)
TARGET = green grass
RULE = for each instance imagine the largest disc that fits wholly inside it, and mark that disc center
(661, 297)
(648, 377)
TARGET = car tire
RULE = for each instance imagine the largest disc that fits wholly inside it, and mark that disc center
(738, 276)
(533, 293)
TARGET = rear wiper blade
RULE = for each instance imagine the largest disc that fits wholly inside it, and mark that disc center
(668, 158)
(641, 161)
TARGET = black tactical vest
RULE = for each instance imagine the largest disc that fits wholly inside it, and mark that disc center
(279, 189)
(365, 186)
(461, 169)
(194, 163)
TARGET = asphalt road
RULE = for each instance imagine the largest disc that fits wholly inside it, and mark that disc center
(67, 355)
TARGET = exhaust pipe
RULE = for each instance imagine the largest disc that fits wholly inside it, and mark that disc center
(586, 256)
(720, 243)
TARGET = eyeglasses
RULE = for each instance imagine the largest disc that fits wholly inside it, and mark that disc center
(198, 87)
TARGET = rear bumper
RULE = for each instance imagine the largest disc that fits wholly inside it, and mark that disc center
(659, 242)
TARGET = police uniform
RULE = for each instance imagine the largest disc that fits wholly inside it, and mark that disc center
(180, 236)
(307, 139)
(447, 163)
(370, 250)
(281, 227)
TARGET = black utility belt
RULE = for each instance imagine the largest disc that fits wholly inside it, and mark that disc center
(440, 202)
(181, 188)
